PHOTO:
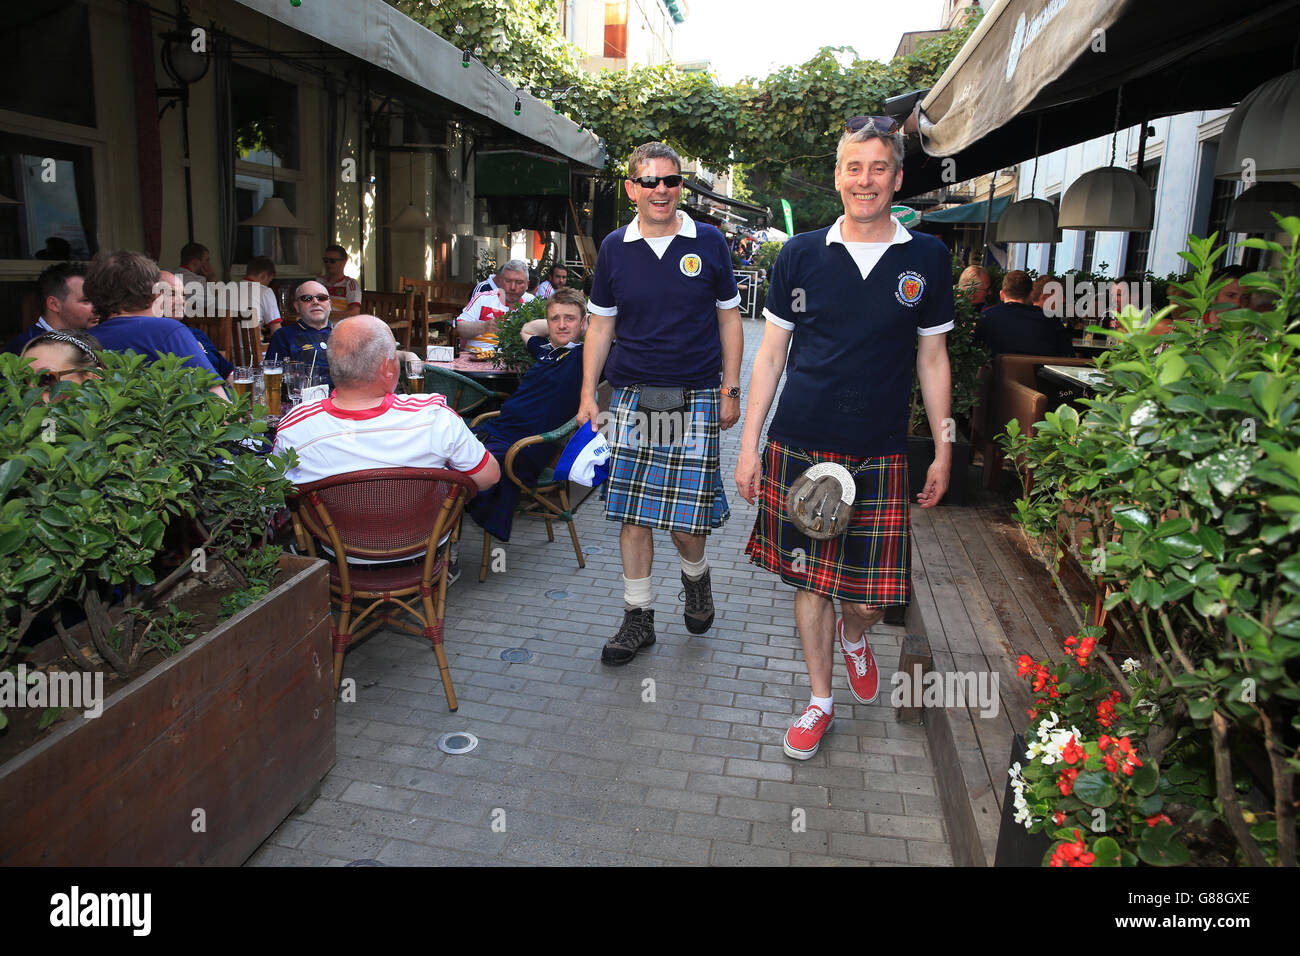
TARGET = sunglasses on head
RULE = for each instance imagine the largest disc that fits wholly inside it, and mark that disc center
(883, 125)
(318, 297)
(672, 181)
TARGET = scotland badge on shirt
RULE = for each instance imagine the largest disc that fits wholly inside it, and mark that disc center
(911, 286)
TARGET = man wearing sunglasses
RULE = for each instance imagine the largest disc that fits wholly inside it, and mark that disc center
(850, 310)
(665, 285)
(345, 292)
(306, 339)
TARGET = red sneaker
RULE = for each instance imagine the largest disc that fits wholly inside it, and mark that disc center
(805, 734)
(864, 676)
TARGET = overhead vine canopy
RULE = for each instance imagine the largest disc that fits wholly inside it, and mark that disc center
(783, 127)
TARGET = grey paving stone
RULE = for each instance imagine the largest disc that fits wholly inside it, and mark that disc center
(759, 769)
(725, 786)
(713, 827)
(269, 854)
(670, 847)
(379, 796)
(917, 828)
(343, 844)
(681, 800)
(869, 847)
(734, 854)
(639, 818)
(542, 852)
(600, 835)
(924, 853)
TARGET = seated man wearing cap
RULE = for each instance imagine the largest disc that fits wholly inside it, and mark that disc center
(547, 397)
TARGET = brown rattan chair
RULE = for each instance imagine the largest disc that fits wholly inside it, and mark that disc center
(392, 515)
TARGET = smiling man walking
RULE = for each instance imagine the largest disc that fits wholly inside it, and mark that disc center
(849, 303)
(668, 284)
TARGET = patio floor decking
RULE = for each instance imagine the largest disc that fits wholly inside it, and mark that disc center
(578, 763)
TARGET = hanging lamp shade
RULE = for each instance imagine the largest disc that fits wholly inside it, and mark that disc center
(1253, 210)
(409, 219)
(1108, 199)
(1262, 137)
(1030, 220)
(275, 214)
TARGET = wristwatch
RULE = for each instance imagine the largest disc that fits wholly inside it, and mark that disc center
(733, 392)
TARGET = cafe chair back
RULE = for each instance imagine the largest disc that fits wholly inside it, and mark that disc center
(1014, 393)
(397, 309)
(464, 395)
(400, 517)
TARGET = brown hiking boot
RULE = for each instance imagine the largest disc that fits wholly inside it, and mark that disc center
(698, 597)
(637, 631)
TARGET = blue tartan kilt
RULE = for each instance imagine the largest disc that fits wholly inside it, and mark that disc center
(664, 468)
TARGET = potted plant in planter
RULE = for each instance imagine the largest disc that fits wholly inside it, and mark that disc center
(966, 357)
(1178, 490)
(96, 486)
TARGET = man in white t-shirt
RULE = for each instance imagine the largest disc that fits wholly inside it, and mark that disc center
(364, 425)
(556, 279)
(476, 326)
(261, 272)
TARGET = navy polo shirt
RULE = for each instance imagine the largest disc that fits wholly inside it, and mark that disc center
(547, 396)
(852, 354)
(665, 308)
(300, 343)
(153, 337)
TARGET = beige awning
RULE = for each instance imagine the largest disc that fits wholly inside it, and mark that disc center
(1018, 48)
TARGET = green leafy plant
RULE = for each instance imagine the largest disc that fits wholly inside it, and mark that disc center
(93, 480)
(512, 353)
(1178, 491)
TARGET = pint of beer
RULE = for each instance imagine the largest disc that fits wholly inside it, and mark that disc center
(273, 376)
(243, 380)
(414, 376)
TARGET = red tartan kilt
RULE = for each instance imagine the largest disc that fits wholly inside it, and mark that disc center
(871, 563)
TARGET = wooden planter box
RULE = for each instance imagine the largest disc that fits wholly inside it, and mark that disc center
(239, 725)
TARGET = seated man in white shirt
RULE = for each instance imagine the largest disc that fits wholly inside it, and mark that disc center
(476, 326)
(260, 273)
(364, 425)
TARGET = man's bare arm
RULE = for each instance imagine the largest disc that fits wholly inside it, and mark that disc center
(600, 336)
(769, 363)
(733, 349)
(935, 376)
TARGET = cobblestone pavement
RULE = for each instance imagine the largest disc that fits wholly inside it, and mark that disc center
(578, 763)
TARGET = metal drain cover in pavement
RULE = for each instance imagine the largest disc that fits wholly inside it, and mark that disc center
(459, 742)
(558, 595)
(594, 549)
(517, 655)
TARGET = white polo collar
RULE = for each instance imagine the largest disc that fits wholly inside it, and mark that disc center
(901, 234)
(685, 228)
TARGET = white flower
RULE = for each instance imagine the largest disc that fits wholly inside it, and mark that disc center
(1130, 665)
(1148, 707)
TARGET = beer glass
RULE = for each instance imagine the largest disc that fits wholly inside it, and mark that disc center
(414, 376)
(273, 376)
(243, 380)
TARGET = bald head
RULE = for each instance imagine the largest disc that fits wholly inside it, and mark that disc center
(315, 312)
(976, 282)
(363, 355)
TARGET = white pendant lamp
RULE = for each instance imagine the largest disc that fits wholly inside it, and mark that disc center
(1261, 140)
(1253, 210)
(274, 214)
(1109, 199)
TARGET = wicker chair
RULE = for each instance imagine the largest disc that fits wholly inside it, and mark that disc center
(385, 514)
(464, 395)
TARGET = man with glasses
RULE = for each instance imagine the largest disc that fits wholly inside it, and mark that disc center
(850, 310)
(307, 339)
(664, 284)
(345, 292)
(476, 326)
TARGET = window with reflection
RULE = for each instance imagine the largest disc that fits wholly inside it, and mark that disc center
(265, 115)
(45, 69)
(47, 199)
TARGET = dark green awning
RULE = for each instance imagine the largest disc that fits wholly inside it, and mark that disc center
(519, 173)
(972, 212)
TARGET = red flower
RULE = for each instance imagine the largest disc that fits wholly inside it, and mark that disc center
(1066, 783)
(1072, 854)
(1072, 753)
(1059, 818)
(1024, 664)
(1158, 819)
(1103, 741)
(1111, 763)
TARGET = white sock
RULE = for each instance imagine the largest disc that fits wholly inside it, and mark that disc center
(826, 704)
(637, 593)
(694, 569)
(861, 643)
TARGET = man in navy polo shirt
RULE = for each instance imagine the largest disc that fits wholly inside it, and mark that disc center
(856, 305)
(667, 283)
(307, 339)
(546, 398)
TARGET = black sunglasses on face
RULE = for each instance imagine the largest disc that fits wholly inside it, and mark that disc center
(672, 181)
(883, 125)
(318, 297)
(328, 259)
